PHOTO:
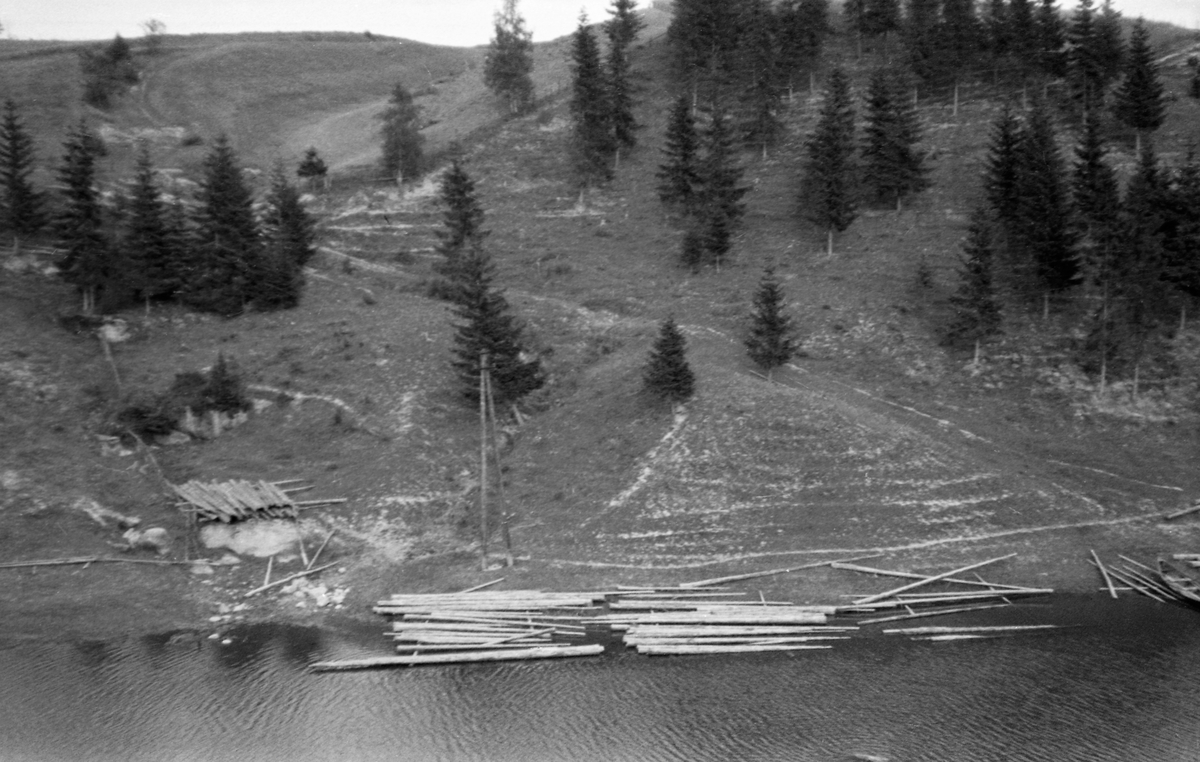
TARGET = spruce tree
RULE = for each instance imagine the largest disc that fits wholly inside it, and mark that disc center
(703, 39)
(509, 61)
(1095, 191)
(1025, 37)
(227, 246)
(401, 132)
(1001, 168)
(1140, 102)
(759, 65)
(892, 166)
(771, 342)
(1109, 42)
(828, 186)
(593, 141)
(678, 178)
(622, 29)
(997, 35)
(667, 374)
(489, 325)
(1043, 209)
(976, 310)
(1051, 40)
(802, 27)
(462, 220)
(21, 205)
(961, 38)
(89, 261)
(1084, 65)
(1182, 240)
(312, 168)
(719, 209)
(289, 234)
(156, 266)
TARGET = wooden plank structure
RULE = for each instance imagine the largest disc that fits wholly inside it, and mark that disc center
(240, 499)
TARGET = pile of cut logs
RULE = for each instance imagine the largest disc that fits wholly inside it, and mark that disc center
(240, 499)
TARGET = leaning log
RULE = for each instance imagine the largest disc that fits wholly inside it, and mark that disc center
(927, 580)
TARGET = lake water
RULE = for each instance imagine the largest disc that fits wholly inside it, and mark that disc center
(1121, 684)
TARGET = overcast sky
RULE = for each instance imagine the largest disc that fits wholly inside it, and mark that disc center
(446, 22)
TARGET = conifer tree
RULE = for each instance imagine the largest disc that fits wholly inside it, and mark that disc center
(996, 32)
(402, 138)
(802, 27)
(1001, 168)
(1043, 209)
(89, 261)
(289, 234)
(1182, 240)
(593, 142)
(881, 17)
(703, 39)
(622, 29)
(462, 221)
(1140, 103)
(312, 168)
(719, 208)
(156, 267)
(1084, 63)
(1025, 37)
(828, 187)
(960, 38)
(20, 203)
(1051, 39)
(667, 374)
(691, 247)
(509, 61)
(892, 167)
(678, 178)
(760, 65)
(921, 38)
(227, 246)
(976, 310)
(107, 72)
(1109, 42)
(771, 342)
(1094, 189)
(489, 325)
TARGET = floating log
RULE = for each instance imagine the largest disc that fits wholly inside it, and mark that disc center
(939, 612)
(928, 580)
(542, 652)
(729, 649)
(979, 628)
(668, 631)
(639, 642)
(772, 572)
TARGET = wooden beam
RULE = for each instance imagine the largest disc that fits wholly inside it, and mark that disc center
(927, 580)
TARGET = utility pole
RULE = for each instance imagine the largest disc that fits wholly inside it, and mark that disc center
(483, 431)
(495, 443)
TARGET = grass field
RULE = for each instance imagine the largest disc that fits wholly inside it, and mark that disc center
(876, 440)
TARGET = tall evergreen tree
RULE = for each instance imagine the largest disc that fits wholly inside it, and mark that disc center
(1084, 63)
(760, 74)
(89, 262)
(703, 39)
(891, 166)
(1096, 194)
(1182, 240)
(401, 132)
(156, 266)
(1110, 42)
(921, 22)
(1043, 209)
(593, 142)
(976, 310)
(227, 246)
(289, 234)
(1001, 168)
(996, 32)
(678, 178)
(772, 341)
(881, 17)
(21, 205)
(803, 26)
(961, 38)
(667, 374)
(1025, 37)
(719, 208)
(1051, 39)
(828, 186)
(622, 29)
(489, 325)
(462, 220)
(509, 61)
(1140, 102)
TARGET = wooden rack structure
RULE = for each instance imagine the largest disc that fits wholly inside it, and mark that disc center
(240, 499)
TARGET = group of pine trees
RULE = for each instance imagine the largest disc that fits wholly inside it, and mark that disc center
(602, 95)
(107, 72)
(215, 253)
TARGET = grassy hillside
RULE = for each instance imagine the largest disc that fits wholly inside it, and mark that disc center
(876, 440)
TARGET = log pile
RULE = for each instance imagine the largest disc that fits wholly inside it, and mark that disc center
(240, 499)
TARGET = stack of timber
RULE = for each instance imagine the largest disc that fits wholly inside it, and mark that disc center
(966, 594)
(240, 499)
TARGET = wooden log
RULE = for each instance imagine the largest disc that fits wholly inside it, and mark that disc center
(681, 650)
(1136, 585)
(910, 575)
(317, 555)
(772, 572)
(1191, 509)
(88, 560)
(927, 580)
(560, 622)
(940, 612)
(542, 652)
(480, 587)
(285, 580)
(978, 628)
(715, 641)
(752, 631)
(326, 501)
(1104, 573)
(1152, 583)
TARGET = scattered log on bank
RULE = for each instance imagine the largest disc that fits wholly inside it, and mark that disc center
(978, 628)
(772, 572)
(935, 612)
(928, 580)
(678, 650)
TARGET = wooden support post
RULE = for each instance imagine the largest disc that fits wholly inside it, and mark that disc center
(483, 532)
(495, 447)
